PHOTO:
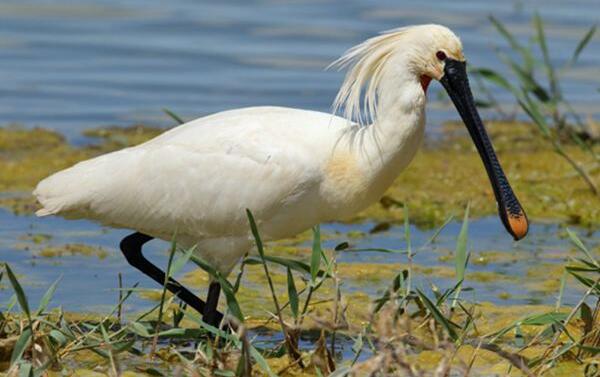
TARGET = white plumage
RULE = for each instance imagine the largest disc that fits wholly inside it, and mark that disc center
(292, 168)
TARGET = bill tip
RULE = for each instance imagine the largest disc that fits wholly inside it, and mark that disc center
(519, 226)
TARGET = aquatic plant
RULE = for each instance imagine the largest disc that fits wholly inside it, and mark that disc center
(545, 104)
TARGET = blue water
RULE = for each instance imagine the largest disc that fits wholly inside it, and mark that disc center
(71, 65)
(90, 283)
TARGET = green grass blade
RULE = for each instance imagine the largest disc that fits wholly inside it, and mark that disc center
(493, 77)
(228, 291)
(437, 232)
(586, 281)
(58, 337)
(265, 267)
(25, 369)
(292, 264)
(447, 293)
(164, 288)
(21, 298)
(577, 242)
(407, 231)
(254, 228)
(438, 316)
(174, 116)
(551, 318)
(292, 293)
(544, 319)
(261, 362)
(211, 329)
(140, 329)
(541, 37)
(461, 254)
(315, 258)
(563, 281)
(181, 261)
(532, 109)
(526, 79)
(21, 345)
(581, 45)
(203, 265)
(47, 297)
(258, 358)
(592, 350)
(408, 250)
(377, 250)
(587, 266)
(528, 59)
(505, 33)
(460, 257)
(232, 303)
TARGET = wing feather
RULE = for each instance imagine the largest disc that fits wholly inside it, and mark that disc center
(196, 180)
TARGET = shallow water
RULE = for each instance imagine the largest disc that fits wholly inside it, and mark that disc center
(514, 274)
(72, 65)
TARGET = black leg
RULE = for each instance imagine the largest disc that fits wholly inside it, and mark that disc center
(131, 246)
(211, 315)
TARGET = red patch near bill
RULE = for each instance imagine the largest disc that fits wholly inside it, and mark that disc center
(425, 80)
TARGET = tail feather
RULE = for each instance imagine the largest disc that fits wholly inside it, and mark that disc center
(56, 193)
(44, 212)
(70, 192)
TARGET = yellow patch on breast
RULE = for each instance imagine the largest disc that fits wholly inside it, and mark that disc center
(345, 183)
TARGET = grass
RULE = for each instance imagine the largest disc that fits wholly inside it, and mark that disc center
(411, 329)
(544, 104)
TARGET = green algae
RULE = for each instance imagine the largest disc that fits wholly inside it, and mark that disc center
(29, 155)
(154, 294)
(115, 137)
(504, 296)
(36, 238)
(355, 234)
(72, 249)
(544, 277)
(483, 258)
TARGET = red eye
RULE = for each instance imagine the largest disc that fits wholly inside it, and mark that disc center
(441, 55)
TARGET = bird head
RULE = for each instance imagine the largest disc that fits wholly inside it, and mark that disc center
(426, 53)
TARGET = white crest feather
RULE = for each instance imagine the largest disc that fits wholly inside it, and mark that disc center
(361, 85)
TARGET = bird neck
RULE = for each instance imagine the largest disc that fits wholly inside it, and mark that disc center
(367, 159)
(393, 139)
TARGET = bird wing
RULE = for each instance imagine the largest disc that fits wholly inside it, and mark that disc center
(197, 179)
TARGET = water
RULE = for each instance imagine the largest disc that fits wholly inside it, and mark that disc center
(89, 283)
(71, 65)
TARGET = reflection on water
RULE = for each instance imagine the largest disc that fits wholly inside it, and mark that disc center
(500, 271)
(73, 65)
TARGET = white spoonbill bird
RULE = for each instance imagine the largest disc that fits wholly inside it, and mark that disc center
(292, 168)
